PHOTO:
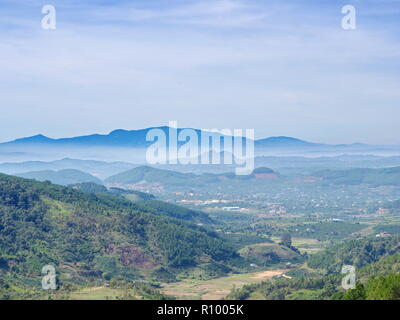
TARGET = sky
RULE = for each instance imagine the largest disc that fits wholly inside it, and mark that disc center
(282, 68)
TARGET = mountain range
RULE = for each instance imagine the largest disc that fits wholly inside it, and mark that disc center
(137, 138)
(130, 146)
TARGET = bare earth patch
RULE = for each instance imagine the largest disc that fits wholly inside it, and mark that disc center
(215, 289)
(269, 274)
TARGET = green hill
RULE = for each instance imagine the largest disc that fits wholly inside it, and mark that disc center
(376, 288)
(376, 177)
(168, 177)
(95, 236)
(377, 281)
(383, 267)
(62, 177)
(270, 253)
(355, 252)
(377, 264)
(149, 174)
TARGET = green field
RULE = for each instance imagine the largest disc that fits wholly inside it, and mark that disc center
(103, 293)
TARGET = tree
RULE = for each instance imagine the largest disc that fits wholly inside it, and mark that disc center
(358, 293)
(384, 288)
(286, 240)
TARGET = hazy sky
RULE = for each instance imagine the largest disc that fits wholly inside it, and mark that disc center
(280, 67)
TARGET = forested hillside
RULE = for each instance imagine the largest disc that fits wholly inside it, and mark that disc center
(377, 263)
(96, 236)
(146, 202)
(356, 252)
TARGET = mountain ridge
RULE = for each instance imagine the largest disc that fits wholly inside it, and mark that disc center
(97, 146)
(137, 134)
(61, 177)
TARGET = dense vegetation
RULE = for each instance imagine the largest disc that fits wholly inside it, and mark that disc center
(376, 288)
(321, 288)
(146, 202)
(355, 252)
(377, 275)
(308, 288)
(95, 236)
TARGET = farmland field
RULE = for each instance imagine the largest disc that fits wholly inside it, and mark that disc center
(215, 289)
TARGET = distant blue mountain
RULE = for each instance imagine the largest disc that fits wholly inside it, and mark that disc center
(284, 142)
(137, 139)
(32, 140)
(116, 138)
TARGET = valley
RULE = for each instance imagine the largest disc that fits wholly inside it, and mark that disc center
(152, 233)
(199, 150)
